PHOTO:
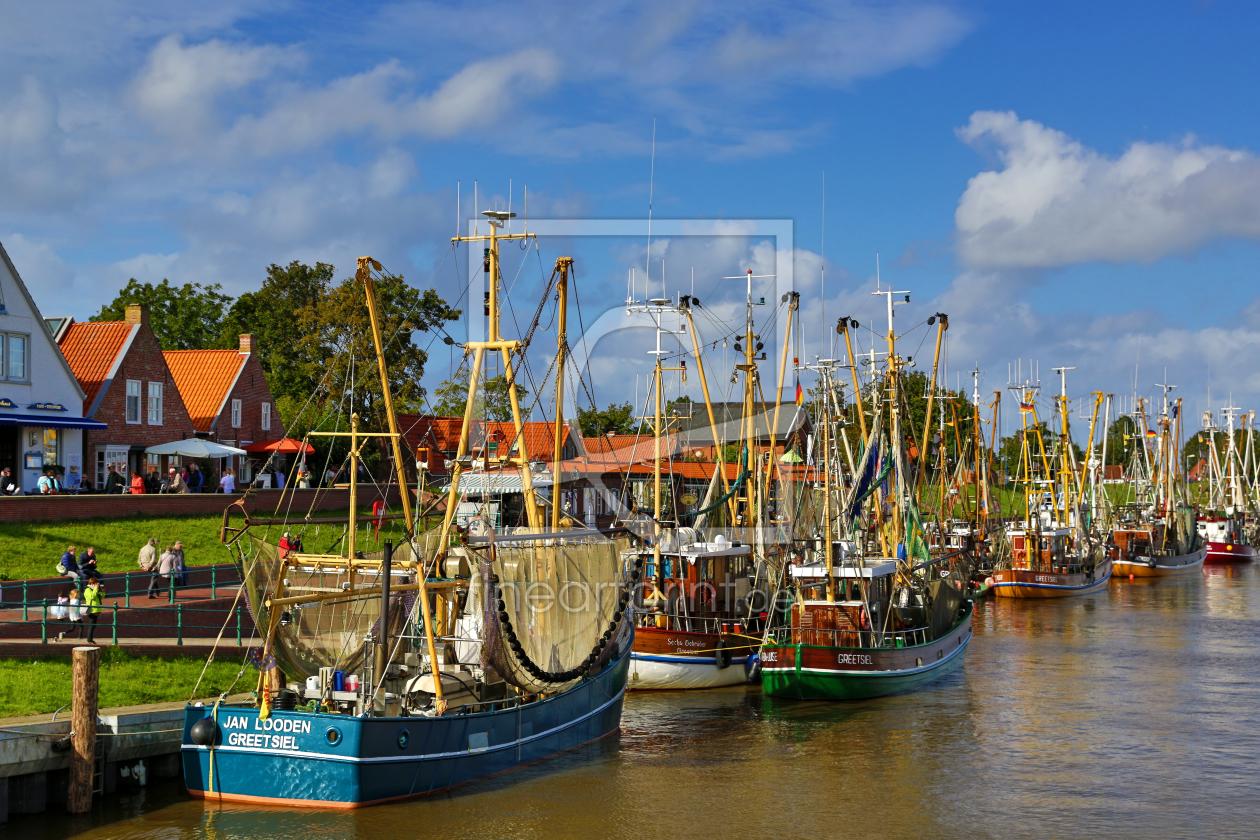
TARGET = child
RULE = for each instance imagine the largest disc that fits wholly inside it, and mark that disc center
(74, 612)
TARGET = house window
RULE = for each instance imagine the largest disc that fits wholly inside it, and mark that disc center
(266, 417)
(133, 401)
(236, 414)
(16, 366)
(155, 403)
(50, 447)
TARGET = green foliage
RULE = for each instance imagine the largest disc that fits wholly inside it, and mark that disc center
(274, 315)
(337, 348)
(450, 399)
(617, 419)
(187, 317)
(1122, 438)
(39, 686)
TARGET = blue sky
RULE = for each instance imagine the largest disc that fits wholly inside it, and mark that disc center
(1072, 182)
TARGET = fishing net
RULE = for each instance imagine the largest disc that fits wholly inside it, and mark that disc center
(554, 609)
(323, 634)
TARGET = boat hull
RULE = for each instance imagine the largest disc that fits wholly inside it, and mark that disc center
(1219, 552)
(664, 660)
(821, 672)
(1157, 567)
(292, 760)
(1026, 583)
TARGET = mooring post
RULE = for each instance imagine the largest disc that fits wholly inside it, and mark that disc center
(86, 665)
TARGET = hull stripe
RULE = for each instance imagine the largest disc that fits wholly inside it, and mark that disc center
(902, 672)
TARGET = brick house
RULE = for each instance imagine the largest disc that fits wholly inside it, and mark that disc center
(128, 386)
(228, 398)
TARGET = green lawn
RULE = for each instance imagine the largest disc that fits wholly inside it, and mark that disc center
(32, 549)
(40, 686)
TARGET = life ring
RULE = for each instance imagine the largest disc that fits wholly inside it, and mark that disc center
(864, 622)
(722, 655)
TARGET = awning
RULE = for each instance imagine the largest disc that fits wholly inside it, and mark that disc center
(489, 484)
(39, 422)
(282, 446)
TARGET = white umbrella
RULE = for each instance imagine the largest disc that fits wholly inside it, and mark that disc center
(195, 448)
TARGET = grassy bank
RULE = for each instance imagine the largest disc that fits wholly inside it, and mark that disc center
(32, 549)
(40, 686)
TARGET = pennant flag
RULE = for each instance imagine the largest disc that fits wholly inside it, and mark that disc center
(800, 394)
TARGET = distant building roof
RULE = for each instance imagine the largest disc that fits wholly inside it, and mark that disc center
(204, 379)
(93, 351)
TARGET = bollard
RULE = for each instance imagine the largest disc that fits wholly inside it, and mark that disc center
(86, 667)
(43, 629)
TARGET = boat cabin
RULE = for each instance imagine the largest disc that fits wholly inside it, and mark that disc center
(703, 583)
(1048, 550)
(1222, 529)
(863, 600)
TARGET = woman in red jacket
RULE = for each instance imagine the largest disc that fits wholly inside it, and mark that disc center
(137, 483)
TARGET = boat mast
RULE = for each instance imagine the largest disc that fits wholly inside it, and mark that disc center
(563, 265)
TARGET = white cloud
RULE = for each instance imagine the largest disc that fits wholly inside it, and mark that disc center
(1055, 202)
(40, 267)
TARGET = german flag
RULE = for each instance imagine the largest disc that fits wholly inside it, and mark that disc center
(1025, 406)
(800, 394)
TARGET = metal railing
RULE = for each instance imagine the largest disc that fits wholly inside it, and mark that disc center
(851, 638)
(215, 576)
(45, 619)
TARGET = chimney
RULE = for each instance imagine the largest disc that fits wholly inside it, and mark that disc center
(138, 313)
(248, 345)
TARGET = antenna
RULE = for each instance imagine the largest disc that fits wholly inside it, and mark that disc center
(457, 214)
(509, 224)
(651, 188)
(823, 265)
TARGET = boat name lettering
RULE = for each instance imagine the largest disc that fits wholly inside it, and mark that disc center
(696, 643)
(268, 725)
(770, 656)
(854, 659)
(262, 741)
(1047, 579)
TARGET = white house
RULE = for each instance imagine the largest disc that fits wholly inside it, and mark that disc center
(41, 403)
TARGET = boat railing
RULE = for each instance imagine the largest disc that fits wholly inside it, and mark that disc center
(850, 638)
(684, 624)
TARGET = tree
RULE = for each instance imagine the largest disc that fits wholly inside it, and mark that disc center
(450, 399)
(187, 317)
(337, 347)
(617, 419)
(271, 315)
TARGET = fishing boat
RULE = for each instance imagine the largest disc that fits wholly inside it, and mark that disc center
(705, 587)
(1225, 526)
(1159, 540)
(1054, 551)
(468, 652)
(873, 612)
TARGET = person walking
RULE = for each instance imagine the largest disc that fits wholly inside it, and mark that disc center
(148, 561)
(195, 480)
(167, 564)
(227, 484)
(74, 613)
(175, 482)
(93, 595)
(67, 567)
(87, 563)
(180, 570)
(113, 482)
(47, 483)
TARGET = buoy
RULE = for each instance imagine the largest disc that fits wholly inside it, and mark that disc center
(1130, 577)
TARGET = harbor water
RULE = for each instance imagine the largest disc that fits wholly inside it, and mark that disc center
(1130, 713)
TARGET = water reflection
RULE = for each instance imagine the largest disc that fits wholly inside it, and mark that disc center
(1128, 713)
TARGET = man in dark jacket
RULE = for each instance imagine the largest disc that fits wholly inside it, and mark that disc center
(194, 479)
(114, 482)
(87, 564)
(8, 486)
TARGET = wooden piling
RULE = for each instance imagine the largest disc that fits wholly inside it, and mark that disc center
(86, 666)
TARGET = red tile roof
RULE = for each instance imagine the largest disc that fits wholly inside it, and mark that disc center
(91, 349)
(204, 378)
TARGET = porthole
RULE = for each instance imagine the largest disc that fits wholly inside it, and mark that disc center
(918, 662)
(333, 736)
(403, 738)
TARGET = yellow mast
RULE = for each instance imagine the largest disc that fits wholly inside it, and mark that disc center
(562, 265)
(708, 407)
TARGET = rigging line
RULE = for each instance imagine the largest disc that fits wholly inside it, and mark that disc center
(577, 301)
